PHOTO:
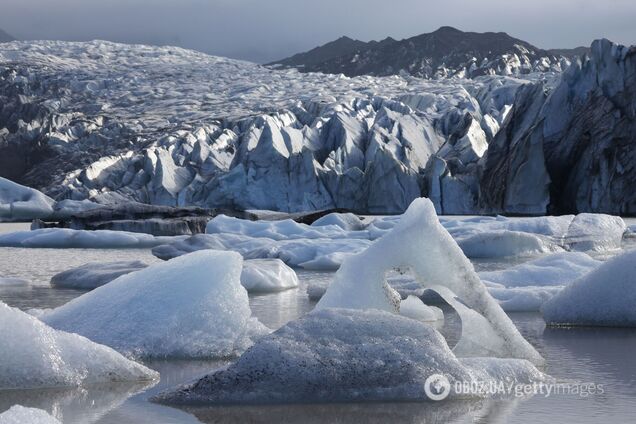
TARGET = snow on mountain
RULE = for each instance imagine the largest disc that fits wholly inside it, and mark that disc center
(170, 126)
(446, 52)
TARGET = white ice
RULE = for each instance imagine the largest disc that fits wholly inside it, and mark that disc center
(604, 297)
(12, 282)
(34, 355)
(420, 243)
(343, 355)
(413, 307)
(64, 238)
(94, 274)
(18, 202)
(19, 414)
(267, 275)
(193, 306)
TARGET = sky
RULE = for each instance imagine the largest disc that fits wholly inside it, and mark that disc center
(265, 30)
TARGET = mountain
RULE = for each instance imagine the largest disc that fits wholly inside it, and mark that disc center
(442, 53)
(4, 37)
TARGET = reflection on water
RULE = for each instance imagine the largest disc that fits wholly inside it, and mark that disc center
(601, 356)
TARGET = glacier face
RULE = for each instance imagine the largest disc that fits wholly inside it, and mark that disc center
(169, 126)
(162, 125)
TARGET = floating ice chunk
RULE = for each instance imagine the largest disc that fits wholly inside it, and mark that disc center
(523, 299)
(598, 232)
(420, 243)
(558, 269)
(278, 230)
(340, 355)
(346, 221)
(315, 254)
(267, 275)
(190, 307)
(413, 307)
(94, 274)
(18, 202)
(34, 355)
(604, 297)
(505, 243)
(12, 282)
(18, 414)
(64, 238)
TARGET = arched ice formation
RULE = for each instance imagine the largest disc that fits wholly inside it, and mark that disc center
(420, 242)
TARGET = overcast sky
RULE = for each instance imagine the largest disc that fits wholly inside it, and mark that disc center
(265, 30)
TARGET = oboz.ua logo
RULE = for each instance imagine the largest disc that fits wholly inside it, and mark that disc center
(437, 387)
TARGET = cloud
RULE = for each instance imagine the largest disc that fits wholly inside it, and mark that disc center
(264, 30)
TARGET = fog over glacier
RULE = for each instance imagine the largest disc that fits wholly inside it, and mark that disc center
(263, 31)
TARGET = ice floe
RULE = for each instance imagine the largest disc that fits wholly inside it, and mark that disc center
(19, 414)
(413, 307)
(267, 275)
(420, 243)
(64, 238)
(193, 306)
(326, 243)
(604, 297)
(34, 355)
(94, 274)
(12, 282)
(18, 202)
(341, 355)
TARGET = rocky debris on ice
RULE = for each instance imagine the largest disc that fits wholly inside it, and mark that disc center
(360, 283)
(340, 355)
(34, 355)
(413, 307)
(267, 275)
(94, 274)
(20, 203)
(190, 307)
(64, 238)
(569, 152)
(149, 219)
(603, 297)
(19, 414)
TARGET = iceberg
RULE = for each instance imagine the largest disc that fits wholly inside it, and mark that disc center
(604, 297)
(267, 275)
(192, 306)
(420, 243)
(414, 308)
(20, 203)
(345, 355)
(64, 238)
(258, 275)
(34, 355)
(18, 414)
(94, 274)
